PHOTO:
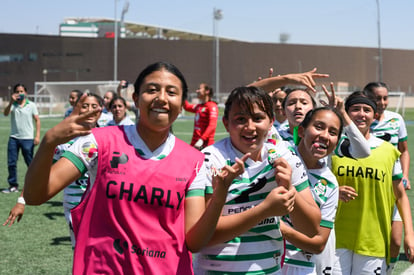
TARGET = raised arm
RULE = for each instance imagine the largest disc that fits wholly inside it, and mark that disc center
(357, 145)
(189, 107)
(123, 85)
(44, 180)
(306, 79)
(13, 98)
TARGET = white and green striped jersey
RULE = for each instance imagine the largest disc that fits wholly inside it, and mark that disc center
(259, 250)
(392, 128)
(72, 193)
(285, 134)
(324, 187)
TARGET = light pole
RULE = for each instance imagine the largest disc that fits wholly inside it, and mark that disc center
(379, 43)
(217, 15)
(44, 72)
(124, 10)
(115, 42)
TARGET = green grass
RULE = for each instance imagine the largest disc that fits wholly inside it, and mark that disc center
(40, 244)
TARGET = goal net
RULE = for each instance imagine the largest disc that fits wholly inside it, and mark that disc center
(51, 98)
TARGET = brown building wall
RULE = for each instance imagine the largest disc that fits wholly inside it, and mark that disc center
(91, 59)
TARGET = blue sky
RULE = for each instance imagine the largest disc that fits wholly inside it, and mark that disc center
(317, 22)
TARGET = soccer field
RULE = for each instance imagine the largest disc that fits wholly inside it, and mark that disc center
(40, 243)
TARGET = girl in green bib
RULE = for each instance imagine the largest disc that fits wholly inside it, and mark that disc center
(369, 187)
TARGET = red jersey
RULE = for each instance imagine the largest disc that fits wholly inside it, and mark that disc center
(205, 121)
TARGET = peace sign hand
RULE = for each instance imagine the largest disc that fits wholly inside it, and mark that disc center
(223, 178)
(306, 79)
(335, 102)
(72, 126)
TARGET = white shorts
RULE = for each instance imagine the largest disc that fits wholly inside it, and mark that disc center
(349, 263)
(396, 217)
(297, 270)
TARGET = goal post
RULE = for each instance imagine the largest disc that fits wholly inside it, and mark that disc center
(51, 98)
(396, 100)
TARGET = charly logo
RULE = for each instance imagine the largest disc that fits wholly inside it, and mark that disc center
(120, 247)
(118, 158)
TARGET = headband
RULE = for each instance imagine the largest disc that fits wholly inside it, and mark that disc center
(360, 99)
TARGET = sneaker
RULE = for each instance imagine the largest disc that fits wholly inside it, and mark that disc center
(11, 189)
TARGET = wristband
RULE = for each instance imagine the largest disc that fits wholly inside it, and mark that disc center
(404, 181)
(21, 200)
(199, 143)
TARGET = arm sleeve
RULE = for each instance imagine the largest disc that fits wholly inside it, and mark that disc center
(35, 111)
(85, 150)
(402, 133)
(199, 184)
(299, 175)
(189, 107)
(397, 173)
(328, 210)
(355, 145)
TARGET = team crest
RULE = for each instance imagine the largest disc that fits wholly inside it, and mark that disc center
(57, 151)
(393, 123)
(320, 187)
(272, 156)
(89, 150)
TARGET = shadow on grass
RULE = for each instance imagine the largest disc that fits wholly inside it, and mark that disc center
(52, 215)
(54, 203)
(61, 241)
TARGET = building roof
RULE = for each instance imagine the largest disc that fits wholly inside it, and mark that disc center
(77, 27)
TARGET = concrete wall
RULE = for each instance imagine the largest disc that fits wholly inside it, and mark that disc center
(91, 59)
